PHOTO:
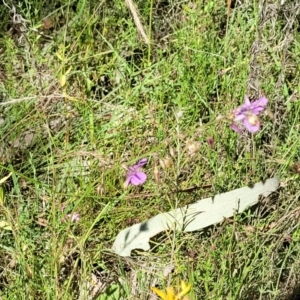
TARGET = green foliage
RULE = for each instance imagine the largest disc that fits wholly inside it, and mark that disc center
(86, 95)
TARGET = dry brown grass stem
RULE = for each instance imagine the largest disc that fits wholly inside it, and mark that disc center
(137, 20)
(13, 101)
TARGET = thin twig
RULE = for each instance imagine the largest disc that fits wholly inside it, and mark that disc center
(137, 20)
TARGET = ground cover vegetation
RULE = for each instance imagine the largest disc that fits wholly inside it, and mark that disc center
(102, 127)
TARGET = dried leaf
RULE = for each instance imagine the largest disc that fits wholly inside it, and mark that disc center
(48, 23)
(24, 141)
(156, 174)
(296, 168)
(172, 152)
(166, 163)
(5, 225)
(97, 286)
(5, 178)
(63, 80)
(2, 196)
(192, 147)
(12, 264)
(168, 269)
(42, 222)
(29, 272)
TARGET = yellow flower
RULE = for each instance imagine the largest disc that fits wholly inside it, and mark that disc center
(170, 295)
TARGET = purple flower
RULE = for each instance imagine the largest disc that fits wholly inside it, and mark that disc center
(74, 217)
(134, 175)
(248, 114)
(210, 142)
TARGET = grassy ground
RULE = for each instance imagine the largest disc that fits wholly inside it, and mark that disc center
(82, 95)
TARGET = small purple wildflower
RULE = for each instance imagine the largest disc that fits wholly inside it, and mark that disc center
(74, 217)
(134, 175)
(210, 142)
(248, 114)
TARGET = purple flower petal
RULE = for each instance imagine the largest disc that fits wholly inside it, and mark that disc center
(240, 117)
(74, 217)
(235, 128)
(251, 127)
(141, 163)
(138, 178)
(257, 110)
(261, 102)
(247, 101)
